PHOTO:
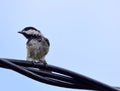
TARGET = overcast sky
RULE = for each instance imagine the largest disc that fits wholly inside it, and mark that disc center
(84, 37)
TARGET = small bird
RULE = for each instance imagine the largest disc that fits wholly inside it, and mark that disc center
(37, 45)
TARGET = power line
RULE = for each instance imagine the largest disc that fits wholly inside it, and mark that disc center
(55, 76)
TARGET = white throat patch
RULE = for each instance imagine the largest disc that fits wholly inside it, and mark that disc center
(33, 32)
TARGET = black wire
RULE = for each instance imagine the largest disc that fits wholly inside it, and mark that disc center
(59, 77)
(78, 77)
(65, 78)
(35, 76)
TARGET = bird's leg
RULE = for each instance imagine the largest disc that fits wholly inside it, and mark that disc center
(44, 63)
(33, 61)
(41, 62)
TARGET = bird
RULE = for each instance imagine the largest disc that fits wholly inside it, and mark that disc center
(37, 44)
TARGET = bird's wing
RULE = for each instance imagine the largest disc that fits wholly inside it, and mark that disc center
(47, 41)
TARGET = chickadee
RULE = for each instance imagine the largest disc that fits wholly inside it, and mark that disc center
(37, 45)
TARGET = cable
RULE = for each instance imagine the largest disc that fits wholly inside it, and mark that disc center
(35, 76)
(77, 86)
(58, 77)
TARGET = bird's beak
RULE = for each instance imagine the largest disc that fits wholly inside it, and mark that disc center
(20, 32)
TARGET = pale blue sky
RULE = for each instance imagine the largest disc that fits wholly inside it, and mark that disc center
(84, 37)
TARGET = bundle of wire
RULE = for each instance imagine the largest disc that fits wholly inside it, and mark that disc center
(54, 75)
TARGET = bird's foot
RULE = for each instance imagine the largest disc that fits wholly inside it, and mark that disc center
(34, 62)
(44, 63)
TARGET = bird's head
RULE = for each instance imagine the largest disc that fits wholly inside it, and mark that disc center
(30, 32)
